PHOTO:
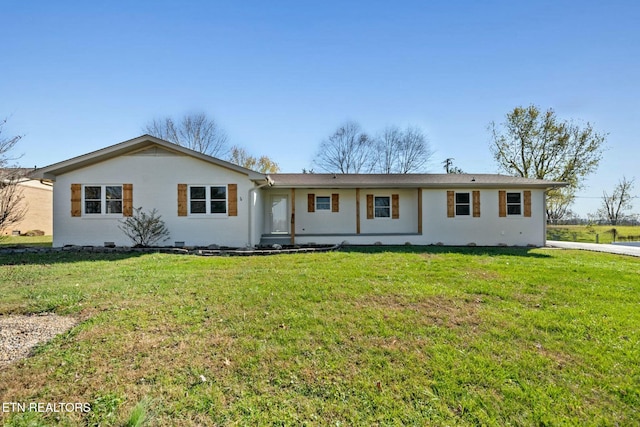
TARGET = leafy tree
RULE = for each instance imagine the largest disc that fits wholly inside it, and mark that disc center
(144, 229)
(194, 131)
(12, 210)
(559, 204)
(614, 205)
(401, 151)
(262, 164)
(348, 150)
(536, 144)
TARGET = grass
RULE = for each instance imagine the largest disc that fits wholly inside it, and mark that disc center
(417, 336)
(25, 241)
(588, 233)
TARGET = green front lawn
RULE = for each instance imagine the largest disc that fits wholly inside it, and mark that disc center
(417, 336)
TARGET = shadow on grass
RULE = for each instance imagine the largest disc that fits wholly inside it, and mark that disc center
(64, 257)
(462, 250)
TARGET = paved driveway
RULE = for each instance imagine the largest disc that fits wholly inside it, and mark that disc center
(612, 249)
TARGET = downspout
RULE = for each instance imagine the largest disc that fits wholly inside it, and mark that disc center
(268, 182)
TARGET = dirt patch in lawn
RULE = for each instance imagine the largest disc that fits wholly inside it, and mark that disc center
(20, 334)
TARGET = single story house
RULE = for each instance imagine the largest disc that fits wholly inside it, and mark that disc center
(204, 200)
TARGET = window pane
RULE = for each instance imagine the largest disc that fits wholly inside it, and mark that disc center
(92, 193)
(462, 210)
(382, 202)
(218, 207)
(462, 197)
(382, 213)
(114, 206)
(198, 193)
(92, 207)
(513, 209)
(113, 192)
(323, 203)
(218, 193)
(198, 207)
(513, 198)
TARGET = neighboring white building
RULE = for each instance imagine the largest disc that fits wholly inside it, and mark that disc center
(204, 200)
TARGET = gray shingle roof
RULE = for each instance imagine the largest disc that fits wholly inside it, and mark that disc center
(318, 180)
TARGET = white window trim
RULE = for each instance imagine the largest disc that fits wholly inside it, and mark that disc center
(103, 202)
(316, 203)
(513, 204)
(207, 201)
(375, 196)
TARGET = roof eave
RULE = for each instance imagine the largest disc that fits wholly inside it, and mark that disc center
(50, 172)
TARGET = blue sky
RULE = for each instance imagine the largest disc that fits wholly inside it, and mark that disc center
(76, 76)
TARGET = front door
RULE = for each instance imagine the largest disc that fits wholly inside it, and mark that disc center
(279, 214)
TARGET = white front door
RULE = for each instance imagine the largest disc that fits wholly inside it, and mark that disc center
(279, 214)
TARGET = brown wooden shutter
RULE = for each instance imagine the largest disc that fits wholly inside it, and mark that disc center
(182, 199)
(451, 209)
(502, 203)
(476, 204)
(369, 206)
(395, 206)
(233, 199)
(127, 199)
(311, 202)
(76, 199)
(527, 203)
(335, 202)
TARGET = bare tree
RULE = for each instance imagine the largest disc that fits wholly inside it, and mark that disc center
(348, 150)
(536, 144)
(614, 205)
(414, 152)
(194, 131)
(387, 145)
(12, 210)
(262, 164)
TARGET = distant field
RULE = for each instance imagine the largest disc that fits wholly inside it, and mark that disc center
(375, 336)
(588, 233)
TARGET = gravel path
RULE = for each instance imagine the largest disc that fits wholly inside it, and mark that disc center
(19, 334)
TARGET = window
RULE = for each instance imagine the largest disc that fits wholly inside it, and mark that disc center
(463, 204)
(382, 207)
(207, 199)
(103, 199)
(514, 204)
(323, 203)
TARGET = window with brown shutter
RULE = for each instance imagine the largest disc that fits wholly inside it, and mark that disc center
(335, 202)
(476, 204)
(450, 204)
(502, 203)
(395, 206)
(127, 199)
(369, 206)
(76, 199)
(233, 199)
(527, 203)
(311, 202)
(182, 199)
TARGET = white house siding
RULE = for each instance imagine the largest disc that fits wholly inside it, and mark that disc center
(407, 223)
(489, 229)
(155, 179)
(326, 221)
